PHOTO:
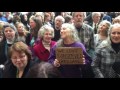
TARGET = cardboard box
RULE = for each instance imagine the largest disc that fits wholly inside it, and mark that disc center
(69, 55)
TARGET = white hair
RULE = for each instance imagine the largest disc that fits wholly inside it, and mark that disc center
(43, 29)
(84, 14)
(95, 13)
(112, 26)
(60, 18)
(108, 26)
(73, 34)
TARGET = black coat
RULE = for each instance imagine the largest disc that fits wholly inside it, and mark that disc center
(3, 56)
(28, 39)
(10, 70)
(4, 47)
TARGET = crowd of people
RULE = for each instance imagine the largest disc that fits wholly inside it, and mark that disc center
(28, 43)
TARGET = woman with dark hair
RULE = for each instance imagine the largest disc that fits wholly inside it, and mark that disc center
(24, 20)
(20, 60)
(35, 25)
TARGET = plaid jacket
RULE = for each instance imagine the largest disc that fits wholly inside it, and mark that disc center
(86, 36)
(97, 40)
(105, 58)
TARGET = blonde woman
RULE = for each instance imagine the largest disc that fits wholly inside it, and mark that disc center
(22, 32)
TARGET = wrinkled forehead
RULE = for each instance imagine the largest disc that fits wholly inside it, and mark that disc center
(9, 29)
(78, 13)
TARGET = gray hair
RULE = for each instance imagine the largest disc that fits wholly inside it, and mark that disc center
(73, 34)
(108, 24)
(11, 26)
(110, 30)
(112, 26)
(95, 13)
(60, 18)
(107, 42)
(84, 14)
(43, 29)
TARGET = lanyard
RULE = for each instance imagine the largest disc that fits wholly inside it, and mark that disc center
(32, 41)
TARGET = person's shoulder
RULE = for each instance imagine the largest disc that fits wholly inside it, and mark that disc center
(78, 44)
(28, 34)
(87, 27)
(104, 45)
(38, 44)
(53, 42)
(34, 61)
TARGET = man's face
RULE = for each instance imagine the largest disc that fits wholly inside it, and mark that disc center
(78, 18)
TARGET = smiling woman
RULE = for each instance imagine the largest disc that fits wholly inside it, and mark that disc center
(21, 61)
(42, 49)
(69, 38)
(107, 54)
(9, 37)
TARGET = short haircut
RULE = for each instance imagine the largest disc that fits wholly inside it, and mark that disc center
(60, 18)
(21, 48)
(43, 29)
(112, 26)
(10, 25)
(68, 18)
(94, 13)
(73, 14)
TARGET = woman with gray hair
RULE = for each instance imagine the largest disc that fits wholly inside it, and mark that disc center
(102, 34)
(108, 53)
(10, 36)
(69, 38)
(42, 48)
